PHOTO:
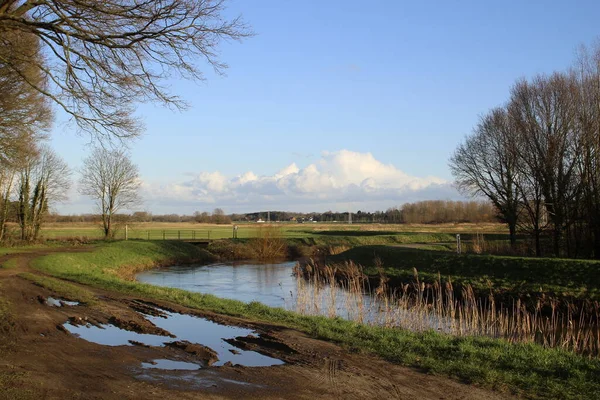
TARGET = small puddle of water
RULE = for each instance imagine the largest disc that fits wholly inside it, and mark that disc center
(171, 365)
(184, 328)
(52, 302)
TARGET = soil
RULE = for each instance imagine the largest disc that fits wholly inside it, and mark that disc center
(39, 359)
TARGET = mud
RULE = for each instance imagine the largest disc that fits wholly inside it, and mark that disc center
(40, 359)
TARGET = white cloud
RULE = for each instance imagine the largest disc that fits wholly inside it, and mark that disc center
(338, 180)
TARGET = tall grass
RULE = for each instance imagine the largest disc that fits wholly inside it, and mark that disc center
(419, 306)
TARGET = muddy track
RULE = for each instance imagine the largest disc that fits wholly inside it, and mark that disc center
(41, 360)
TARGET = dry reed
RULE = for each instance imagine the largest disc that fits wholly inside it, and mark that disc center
(343, 290)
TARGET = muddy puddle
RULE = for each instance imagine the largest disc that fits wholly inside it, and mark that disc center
(212, 340)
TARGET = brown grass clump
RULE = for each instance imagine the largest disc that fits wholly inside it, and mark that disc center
(269, 243)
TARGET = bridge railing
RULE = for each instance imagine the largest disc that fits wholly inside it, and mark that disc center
(169, 234)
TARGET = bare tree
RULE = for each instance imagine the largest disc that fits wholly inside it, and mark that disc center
(24, 112)
(587, 70)
(112, 180)
(544, 112)
(105, 56)
(43, 179)
(7, 179)
(487, 164)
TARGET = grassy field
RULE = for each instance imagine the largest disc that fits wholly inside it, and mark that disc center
(517, 276)
(156, 230)
(528, 369)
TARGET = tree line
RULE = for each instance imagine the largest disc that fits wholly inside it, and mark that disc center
(537, 159)
(423, 212)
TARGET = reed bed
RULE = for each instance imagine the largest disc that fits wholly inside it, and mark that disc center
(343, 290)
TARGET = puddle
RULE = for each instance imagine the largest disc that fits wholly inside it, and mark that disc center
(210, 334)
(171, 365)
(185, 328)
(52, 302)
(110, 335)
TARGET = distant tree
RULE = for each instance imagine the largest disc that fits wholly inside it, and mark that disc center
(112, 180)
(141, 216)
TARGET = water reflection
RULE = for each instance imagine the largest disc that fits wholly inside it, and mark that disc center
(271, 284)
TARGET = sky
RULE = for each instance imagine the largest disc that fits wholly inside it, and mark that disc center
(339, 105)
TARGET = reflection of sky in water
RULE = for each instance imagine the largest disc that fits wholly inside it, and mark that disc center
(275, 285)
(270, 284)
(51, 301)
(185, 328)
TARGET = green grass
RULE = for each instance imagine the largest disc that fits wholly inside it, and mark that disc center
(9, 264)
(531, 370)
(63, 289)
(511, 275)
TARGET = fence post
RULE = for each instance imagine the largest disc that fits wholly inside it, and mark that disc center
(458, 249)
(126, 232)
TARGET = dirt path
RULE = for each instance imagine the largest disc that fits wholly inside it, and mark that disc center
(40, 360)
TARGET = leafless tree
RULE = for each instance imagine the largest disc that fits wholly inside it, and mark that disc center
(43, 179)
(112, 181)
(24, 112)
(7, 179)
(544, 111)
(103, 57)
(487, 164)
(587, 70)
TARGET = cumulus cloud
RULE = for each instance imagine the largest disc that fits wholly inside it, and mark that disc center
(338, 180)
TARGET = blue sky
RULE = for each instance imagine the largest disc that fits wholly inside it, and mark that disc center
(374, 95)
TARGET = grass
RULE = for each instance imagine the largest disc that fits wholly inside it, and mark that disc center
(63, 289)
(516, 276)
(10, 264)
(529, 369)
(155, 230)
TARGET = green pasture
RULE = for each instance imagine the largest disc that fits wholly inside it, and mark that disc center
(518, 276)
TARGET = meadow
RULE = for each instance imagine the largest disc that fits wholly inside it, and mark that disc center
(155, 230)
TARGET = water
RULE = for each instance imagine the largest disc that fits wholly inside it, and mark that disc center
(271, 284)
(171, 365)
(277, 286)
(52, 302)
(183, 328)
